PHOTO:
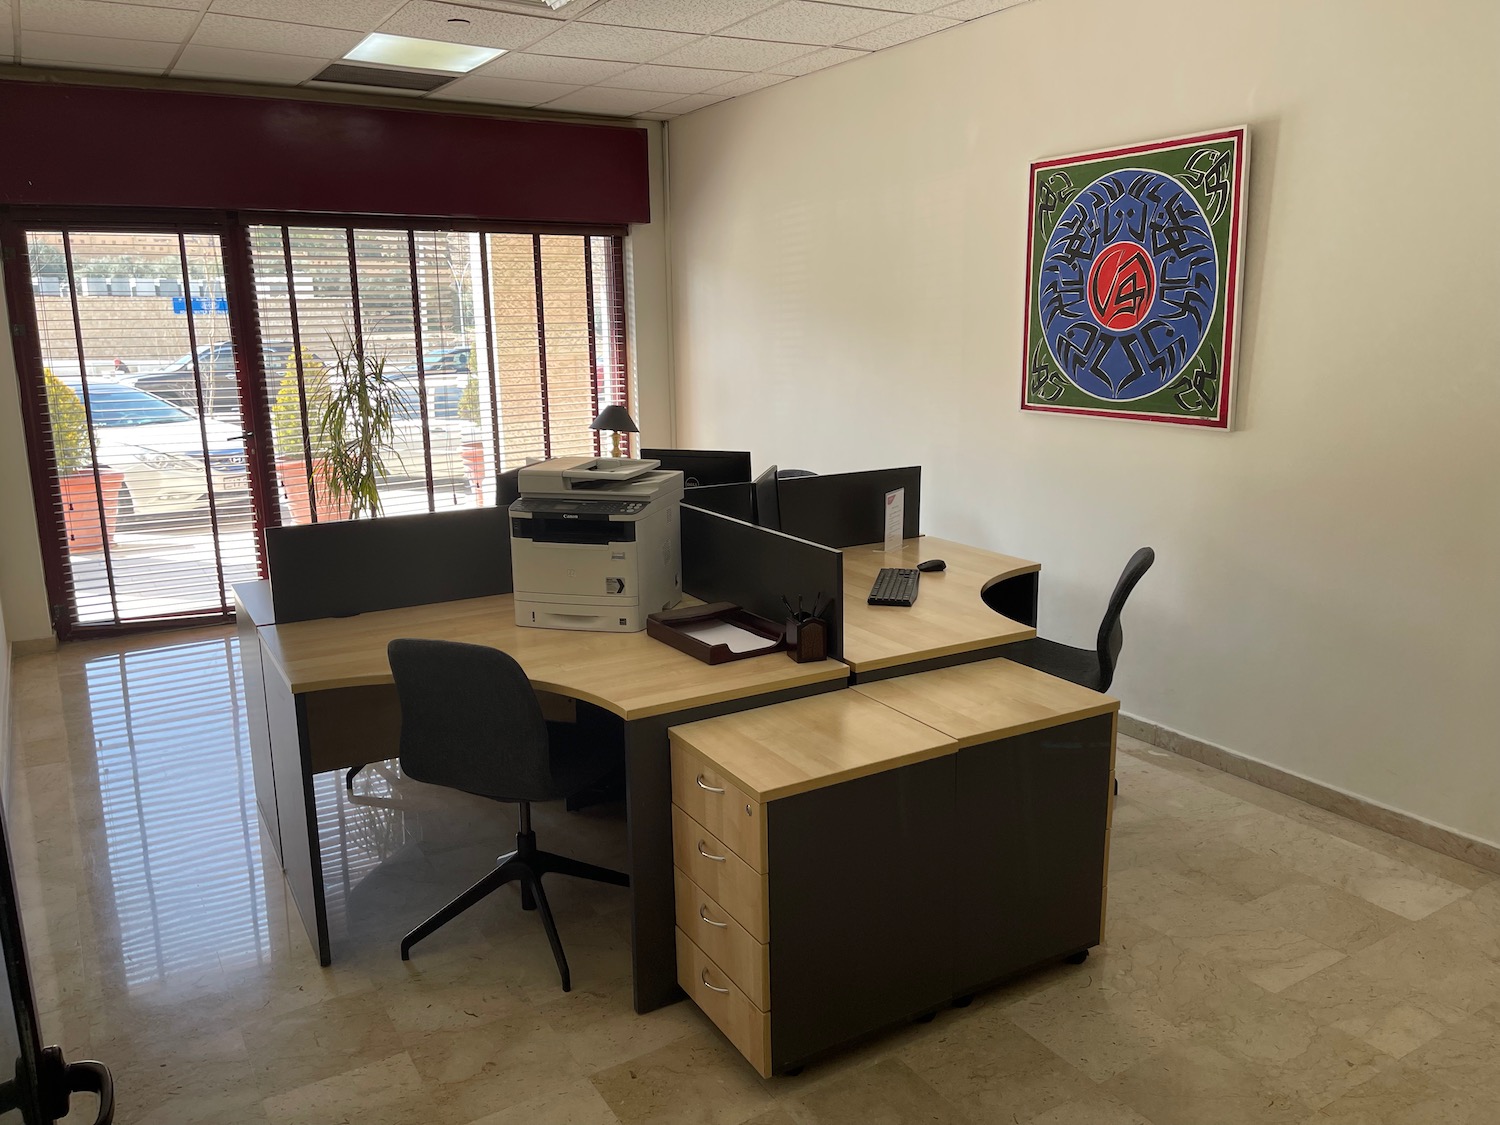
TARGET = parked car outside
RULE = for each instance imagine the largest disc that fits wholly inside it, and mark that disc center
(217, 374)
(160, 448)
(447, 429)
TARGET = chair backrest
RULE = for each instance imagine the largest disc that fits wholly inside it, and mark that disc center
(470, 720)
(1111, 636)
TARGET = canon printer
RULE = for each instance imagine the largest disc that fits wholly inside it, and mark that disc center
(594, 543)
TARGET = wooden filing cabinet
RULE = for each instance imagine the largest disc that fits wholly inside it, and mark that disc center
(842, 867)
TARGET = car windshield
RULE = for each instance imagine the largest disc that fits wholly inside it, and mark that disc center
(186, 362)
(114, 405)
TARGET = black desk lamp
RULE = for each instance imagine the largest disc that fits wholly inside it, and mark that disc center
(615, 417)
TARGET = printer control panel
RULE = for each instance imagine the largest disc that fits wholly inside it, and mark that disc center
(553, 506)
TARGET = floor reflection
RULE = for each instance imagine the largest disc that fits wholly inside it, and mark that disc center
(182, 841)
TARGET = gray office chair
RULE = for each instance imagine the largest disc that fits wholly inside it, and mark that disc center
(470, 720)
(1093, 668)
(790, 474)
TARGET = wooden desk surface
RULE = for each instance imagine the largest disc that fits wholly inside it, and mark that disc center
(986, 700)
(626, 673)
(948, 616)
(805, 744)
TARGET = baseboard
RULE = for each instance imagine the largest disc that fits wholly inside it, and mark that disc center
(32, 647)
(1435, 837)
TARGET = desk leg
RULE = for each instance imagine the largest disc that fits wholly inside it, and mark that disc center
(296, 807)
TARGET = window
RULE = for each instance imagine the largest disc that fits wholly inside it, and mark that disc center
(502, 347)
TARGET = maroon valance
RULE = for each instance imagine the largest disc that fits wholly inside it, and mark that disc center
(93, 146)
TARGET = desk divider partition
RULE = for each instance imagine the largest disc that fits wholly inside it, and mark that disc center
(732, 500)
(730, 560)
(357, 566)
(848, 509)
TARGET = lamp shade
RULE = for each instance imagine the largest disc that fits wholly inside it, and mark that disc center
(615, 417)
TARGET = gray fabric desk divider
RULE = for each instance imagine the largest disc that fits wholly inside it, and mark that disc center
(848, 509)
(730, 560)
(357, 566)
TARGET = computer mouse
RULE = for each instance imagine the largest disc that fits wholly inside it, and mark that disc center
(931, 565)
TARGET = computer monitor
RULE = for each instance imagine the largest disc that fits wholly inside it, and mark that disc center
(767, 500)
(704, 466)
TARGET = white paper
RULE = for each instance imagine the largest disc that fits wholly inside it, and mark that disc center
(895, 518)
(721, 633)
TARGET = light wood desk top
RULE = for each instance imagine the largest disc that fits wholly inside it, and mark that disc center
(805, 744)
(948, 616)
(626, 673)
(986, 700)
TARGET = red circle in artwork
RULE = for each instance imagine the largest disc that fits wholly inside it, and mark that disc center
(1122, 282)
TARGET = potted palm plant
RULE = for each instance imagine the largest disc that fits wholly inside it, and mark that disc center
(357, 428)
(82, 494)
(472, 450)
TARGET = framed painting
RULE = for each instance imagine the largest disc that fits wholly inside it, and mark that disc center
(1133, 280)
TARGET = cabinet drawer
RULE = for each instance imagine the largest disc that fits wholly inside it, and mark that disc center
(728, 943)
(746, 1026)
(721, 874)
(734, 817)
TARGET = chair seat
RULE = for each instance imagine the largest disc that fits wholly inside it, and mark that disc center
(1077, 665)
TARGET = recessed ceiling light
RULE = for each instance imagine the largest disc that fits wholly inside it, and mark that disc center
(424, 54)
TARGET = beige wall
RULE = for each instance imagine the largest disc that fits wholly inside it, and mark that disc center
(847, 281)
(22, 593)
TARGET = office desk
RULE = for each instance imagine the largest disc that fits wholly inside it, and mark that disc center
(330, 703)
(949, 624)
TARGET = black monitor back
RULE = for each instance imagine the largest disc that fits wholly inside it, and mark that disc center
(848, 509)
(703, 467)
(767, 500)
(358, 566)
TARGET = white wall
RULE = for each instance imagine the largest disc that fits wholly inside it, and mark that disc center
(847, 270)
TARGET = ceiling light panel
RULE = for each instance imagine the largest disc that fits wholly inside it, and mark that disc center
(421, 54)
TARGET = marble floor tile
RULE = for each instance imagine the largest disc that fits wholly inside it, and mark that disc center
(699, 1079)
(1263, 961)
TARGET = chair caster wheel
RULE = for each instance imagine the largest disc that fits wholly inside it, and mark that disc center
(928, 1018)
(1077, 958)
(964, 1001)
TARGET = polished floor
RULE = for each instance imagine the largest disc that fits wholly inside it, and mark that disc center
(1266, 962)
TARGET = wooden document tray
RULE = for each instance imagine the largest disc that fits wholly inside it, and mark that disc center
(677, 626)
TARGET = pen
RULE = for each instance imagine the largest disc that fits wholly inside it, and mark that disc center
(788, 605)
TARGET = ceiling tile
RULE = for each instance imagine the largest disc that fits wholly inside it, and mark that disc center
(677, 15)
(525, 67)
(114, 21)
(624, 44)
(910, 6)
(690, 103)
(802, 21)
(268, 35)
(669, 79)
(749, 83)
(619, 103)
(198, 61)
(973, 9)
(353, 15)
(818, 60)
(46, 46)
(733, 54)
(501, 91)
(903, 31)
(425, 19)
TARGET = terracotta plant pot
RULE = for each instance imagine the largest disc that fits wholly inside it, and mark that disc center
(80, 501)
(475, 465)
(292, 472)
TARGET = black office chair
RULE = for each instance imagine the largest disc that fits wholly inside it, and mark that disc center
(1093, 668)
(470, 720)
(791, 474)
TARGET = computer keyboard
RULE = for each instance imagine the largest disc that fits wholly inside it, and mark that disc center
(894, 585)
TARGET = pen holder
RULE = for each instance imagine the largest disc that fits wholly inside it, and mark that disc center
(807, 639)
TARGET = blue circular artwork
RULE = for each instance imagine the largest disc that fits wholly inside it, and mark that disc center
(1129, 282)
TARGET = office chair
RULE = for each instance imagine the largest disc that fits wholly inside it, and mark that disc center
(790, 474)
(471, 721)
(1093, 668)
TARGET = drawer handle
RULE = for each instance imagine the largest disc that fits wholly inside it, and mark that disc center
(705, 855)
(709, 788)
(712, 987)
(710, 921)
